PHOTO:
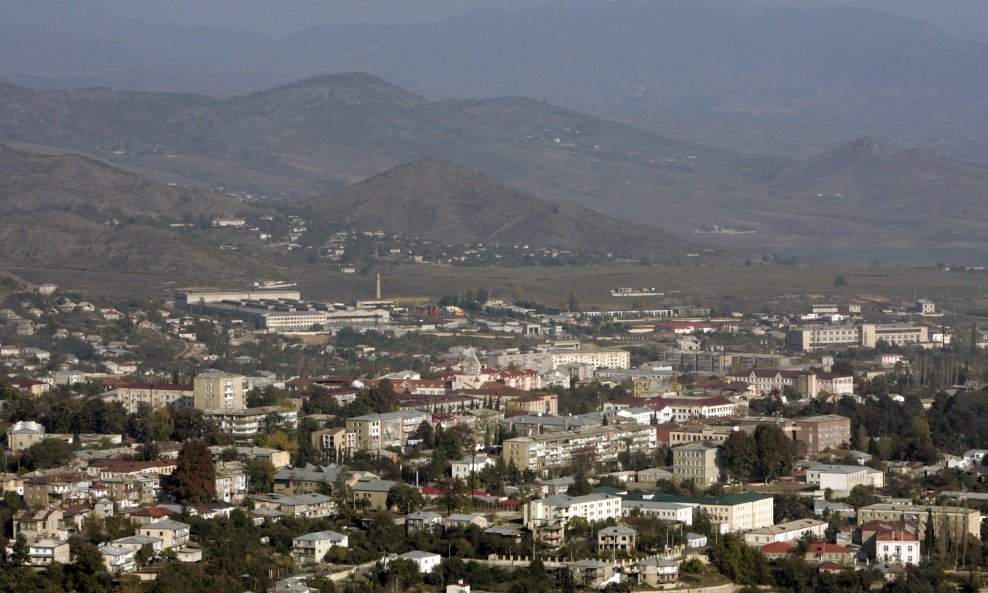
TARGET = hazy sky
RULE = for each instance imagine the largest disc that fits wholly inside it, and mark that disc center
(272, 17)
(966, 18)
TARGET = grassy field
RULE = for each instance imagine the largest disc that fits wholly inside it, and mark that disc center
(743, 288)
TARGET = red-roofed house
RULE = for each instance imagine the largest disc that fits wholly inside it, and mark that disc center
(829, 553)
(777, 550)
(897, 547)
(29, 385)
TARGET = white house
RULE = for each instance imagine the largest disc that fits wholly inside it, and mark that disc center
(462, 468)
(784, 532)
(897, 547)
(842, 478)
(118, 560)
(312, 548)
(425, 561)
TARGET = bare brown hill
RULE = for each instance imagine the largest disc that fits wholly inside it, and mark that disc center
(71, 211)
(441, 201)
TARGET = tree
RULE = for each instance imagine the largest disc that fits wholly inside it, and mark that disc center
(580, 487)
(47, 454)
(260, 475)
(739, 455)
(774, 452)
(194, 478)
(407, 499)
(19, 556)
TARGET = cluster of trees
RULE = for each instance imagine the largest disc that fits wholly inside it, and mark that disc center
(764, 455)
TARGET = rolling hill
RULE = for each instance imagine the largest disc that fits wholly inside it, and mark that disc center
(441, 201)
(72, 211)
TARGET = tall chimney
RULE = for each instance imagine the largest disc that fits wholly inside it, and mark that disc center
(377, 293)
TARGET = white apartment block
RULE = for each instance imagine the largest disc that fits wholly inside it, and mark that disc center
(592, 507)
(380, 431)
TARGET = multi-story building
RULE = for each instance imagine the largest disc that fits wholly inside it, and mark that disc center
(807, 383)
(24, 434)
(948, 521)
(44, 552)
(807, 338)
(219, 391)
(897, 547)
(560, 507)
(586, 447)
(246, 423)
(895, 334)
(697, 462)
(842, 478)
(155, 395)
(820, 433)
(171, 533)
(539, 403)
(330, 442)
(835, 336)
(731, 513)
(312, 548)
(380, 431)
(546, 360)
(696, 433)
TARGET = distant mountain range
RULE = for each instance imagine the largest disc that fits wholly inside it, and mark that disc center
(322, 135)
(776, 80)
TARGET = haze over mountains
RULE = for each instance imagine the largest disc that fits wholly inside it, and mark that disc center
(320, 135)
(787, 81)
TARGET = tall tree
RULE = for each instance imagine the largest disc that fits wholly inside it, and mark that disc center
(739, 455)
(194, 478)
(774, 452)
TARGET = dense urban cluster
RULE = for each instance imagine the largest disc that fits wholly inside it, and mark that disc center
(248, 440)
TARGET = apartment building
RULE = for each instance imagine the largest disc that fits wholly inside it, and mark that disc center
(219, 391)
(667, 511)
(896, 334)
(818, 337)
(947, 520)
(380, 431)
(820, 433)
(155, 395)
(733, 513)
(697, 462)
(835, 336)
(245, 423)
(560, 507)
(587, 446)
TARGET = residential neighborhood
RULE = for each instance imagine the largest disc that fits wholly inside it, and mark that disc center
(450, 444)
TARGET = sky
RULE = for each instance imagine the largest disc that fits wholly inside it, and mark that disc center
(277, 18)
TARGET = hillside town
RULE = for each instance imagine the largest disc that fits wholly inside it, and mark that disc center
(256, 440)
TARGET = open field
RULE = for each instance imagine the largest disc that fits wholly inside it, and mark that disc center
(748, 289)
(744, 287)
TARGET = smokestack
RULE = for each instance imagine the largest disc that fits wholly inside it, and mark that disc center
(377, 293)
